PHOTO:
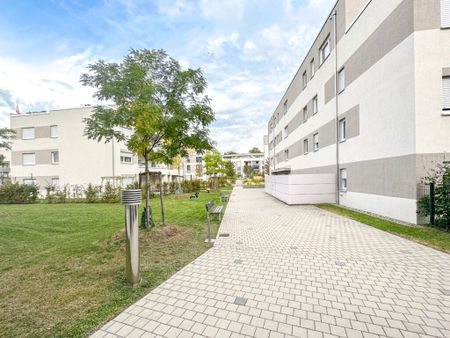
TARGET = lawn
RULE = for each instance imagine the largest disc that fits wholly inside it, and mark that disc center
(62, 267)
(429, 236)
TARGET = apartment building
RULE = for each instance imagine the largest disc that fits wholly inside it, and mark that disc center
(370, 104)
(194, 167)
(254, 160)
(50, 149)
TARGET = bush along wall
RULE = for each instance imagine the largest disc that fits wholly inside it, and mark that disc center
(16, 193)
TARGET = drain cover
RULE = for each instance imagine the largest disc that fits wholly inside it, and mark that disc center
(238, 261)
(445, 292)
(240, 301)
(224, 235)
(340, 263)
(294, 247)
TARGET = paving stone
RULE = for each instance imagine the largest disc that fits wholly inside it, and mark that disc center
(300, 272)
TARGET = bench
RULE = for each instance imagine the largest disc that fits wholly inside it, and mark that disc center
(223, 197)
(211, 209)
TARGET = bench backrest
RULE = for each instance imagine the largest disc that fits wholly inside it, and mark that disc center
(209, 205)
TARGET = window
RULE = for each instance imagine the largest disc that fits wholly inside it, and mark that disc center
(126, 157)
(286, 154)
(305, 114)
(53, 131)
(28, 158)
(342, 129)
(55, 182)
(315, 105)
(188, 168)
(445, 13)
(286, 131)
(305, 146)
(316, 141)
(343, 179)
(285, 107)
(341, 80)
(305, 79)
(28, 133)
(30, 181)
(312, 68)
(325, 50)
(55, 157)
(446, 94)
(198, 159)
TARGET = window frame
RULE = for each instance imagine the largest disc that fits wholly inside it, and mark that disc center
(445, 19)
(305, 114)
(28, 164)
(124, 155)
(305, 146)
(343, 179)
(446, 95)
(315, 104)
(286, 132)
(285, 107)
(286, 154)
(305, 79)
(29, 138)
(322, 57)
(312, 67)
(316, 141)
(342, 129)
(51, 131)
(32, 181)
(341, 80)
(52, 156)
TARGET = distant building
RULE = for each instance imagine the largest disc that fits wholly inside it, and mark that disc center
(5, 166)
(254, 160)
(50, 148)
(369, 105)
(194, 167)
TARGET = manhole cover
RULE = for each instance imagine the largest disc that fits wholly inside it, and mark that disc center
(340, 263)
(294, 247)
(240, 301)
(238, 261)
(224, 235)
(445, 292)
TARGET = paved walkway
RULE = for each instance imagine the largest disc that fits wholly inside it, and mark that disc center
(297, 271)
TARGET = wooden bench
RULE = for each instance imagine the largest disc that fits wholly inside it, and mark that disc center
(211, 209)
(223, 197)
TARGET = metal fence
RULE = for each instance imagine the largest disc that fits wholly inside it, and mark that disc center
(433, 205)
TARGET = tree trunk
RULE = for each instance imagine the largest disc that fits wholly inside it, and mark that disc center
(147, 195)
(161, 198)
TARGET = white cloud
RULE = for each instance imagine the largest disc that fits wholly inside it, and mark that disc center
(223, 11)
(216, 45)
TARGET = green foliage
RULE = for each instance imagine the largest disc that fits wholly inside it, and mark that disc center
(254, 181)
(231, 152)
(228, 169)
(248, 171)
(213, 163)
(91, 193)
(18, 193)
(110, 194)
(255, 150)
(6, 135)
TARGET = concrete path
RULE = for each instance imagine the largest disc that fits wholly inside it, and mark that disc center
(297, 271)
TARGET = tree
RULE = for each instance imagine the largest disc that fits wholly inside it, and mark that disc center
(254, 150)
(228, 169)
(177, 163)
(161, 106)
(6, 135)
(248, 171)
(199, 171)
(267, 167)
(213, 165)
(231, 152)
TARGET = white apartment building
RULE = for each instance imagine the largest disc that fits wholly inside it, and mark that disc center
(369, 104)
(254, 160)
(194, 167)
(50, 148)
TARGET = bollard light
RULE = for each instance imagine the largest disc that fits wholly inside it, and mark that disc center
(131, 199)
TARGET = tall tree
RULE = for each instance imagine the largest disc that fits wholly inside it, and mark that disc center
(248, 171)
(254, 150)
(213, 165)
(163, 107)
(6, 135)
(228, 169)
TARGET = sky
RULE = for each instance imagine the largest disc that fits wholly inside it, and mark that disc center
(248, 50)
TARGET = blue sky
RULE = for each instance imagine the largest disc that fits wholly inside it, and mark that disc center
(248, 50)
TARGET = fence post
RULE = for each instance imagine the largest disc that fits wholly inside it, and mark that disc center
(432, 204)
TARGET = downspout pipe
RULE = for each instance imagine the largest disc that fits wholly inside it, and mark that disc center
(333, 17)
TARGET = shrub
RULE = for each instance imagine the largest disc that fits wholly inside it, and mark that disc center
(110, 194)
(91, 193)
(18, 193)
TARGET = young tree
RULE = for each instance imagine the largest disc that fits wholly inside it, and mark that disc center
(255, 150)
(267, 167)
(162, 106)
(228, 169)
(6, 135)
(248, 171)
(213, 164)
(231, 152)
(199, 171)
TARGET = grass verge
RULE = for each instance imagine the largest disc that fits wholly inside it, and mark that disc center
(62, 267)
(429, 236)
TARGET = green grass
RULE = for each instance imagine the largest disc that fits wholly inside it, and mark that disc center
(432, 237)
(62, 267)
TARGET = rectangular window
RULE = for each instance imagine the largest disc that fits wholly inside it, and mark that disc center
(316, 141)
(198, 159)
(55, 157)
(286, 154)
(286, 131)
(28, 133)
(285, 107)
(305, 146)
(28, 158)
(312, 68)
(53, 131)
(341, 80)
(305, 114)
(445, 13)
(126, 158)
(188, 168)
(446, 94)
(325, 50)
(315, 105)
(30, 181)
(343, 179)
(342, 129)
(305, 79)
(55, 182)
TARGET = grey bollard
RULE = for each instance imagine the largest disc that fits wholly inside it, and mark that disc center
(131, 200)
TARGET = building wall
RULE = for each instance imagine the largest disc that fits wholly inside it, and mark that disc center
(240, 160)
(394, 56)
